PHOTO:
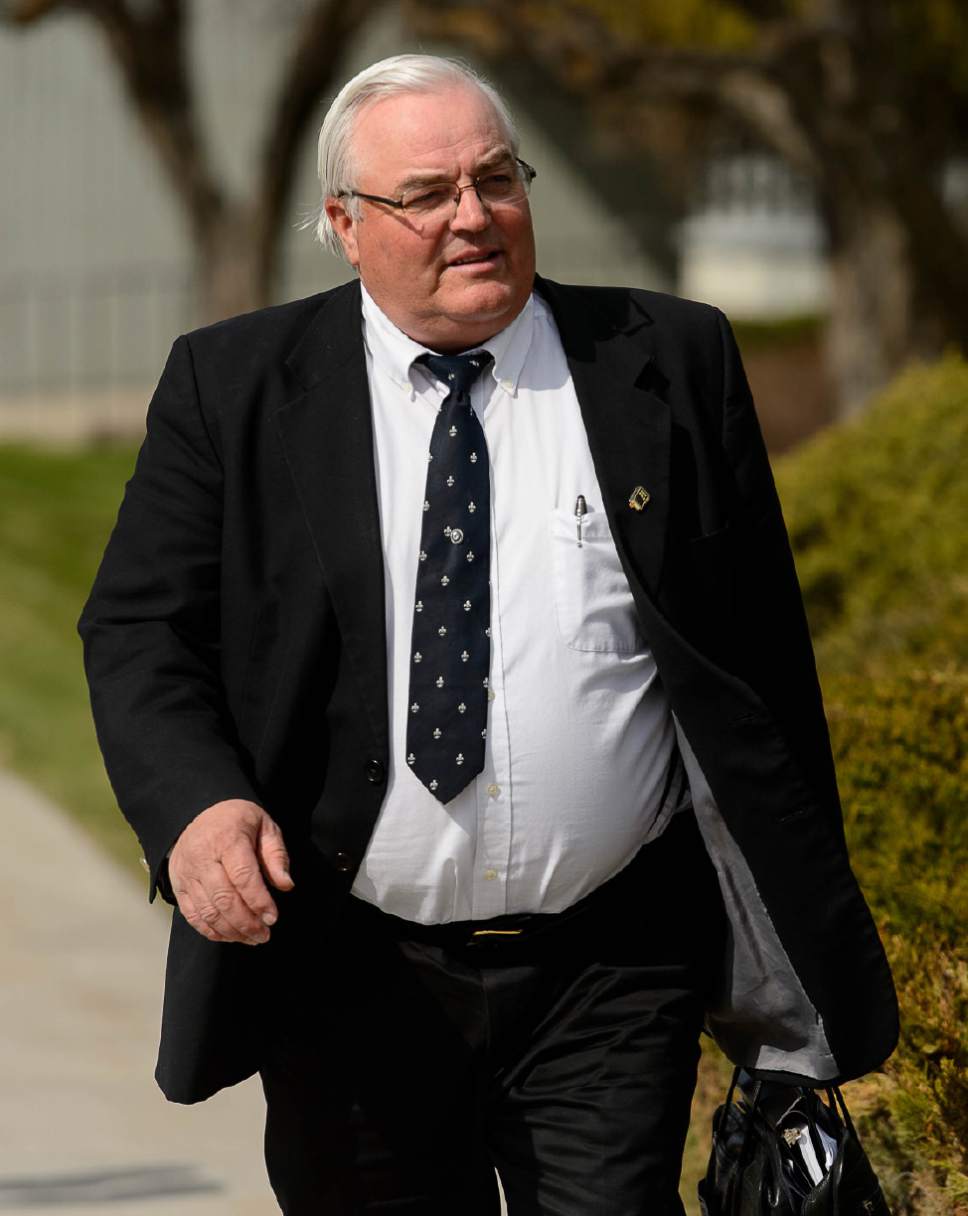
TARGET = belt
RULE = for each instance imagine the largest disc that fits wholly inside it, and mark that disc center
(506, 933)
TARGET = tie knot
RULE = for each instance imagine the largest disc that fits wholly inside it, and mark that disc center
(457, 372)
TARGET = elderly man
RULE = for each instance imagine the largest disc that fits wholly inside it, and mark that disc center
(448, 651)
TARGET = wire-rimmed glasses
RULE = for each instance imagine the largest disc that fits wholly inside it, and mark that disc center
(503, 185)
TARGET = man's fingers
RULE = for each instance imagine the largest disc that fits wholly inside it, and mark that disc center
(219, 906)
(273, 855)
(243, 870)
(190, 913)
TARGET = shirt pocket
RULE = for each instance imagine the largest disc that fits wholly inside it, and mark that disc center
(593, 603)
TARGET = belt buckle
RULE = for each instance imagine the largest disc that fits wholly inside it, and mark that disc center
(481, 937)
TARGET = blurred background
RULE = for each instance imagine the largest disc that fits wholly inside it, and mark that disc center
(801, 164)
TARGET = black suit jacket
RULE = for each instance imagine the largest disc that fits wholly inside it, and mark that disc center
(235, 647)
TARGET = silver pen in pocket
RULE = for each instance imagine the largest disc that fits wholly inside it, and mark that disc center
(581, 509)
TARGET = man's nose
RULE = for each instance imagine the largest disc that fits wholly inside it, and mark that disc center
(470, 212)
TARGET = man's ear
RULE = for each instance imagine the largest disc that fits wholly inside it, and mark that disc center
(345, 228)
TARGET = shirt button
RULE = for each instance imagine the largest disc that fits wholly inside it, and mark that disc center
(491, 694)
(493, 790)
(343, 862)
(375, 772)
(490, 875)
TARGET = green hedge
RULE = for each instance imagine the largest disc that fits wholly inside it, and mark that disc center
(899, 742)
(878, 515)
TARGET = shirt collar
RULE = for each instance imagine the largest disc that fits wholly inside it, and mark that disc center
(394, 353)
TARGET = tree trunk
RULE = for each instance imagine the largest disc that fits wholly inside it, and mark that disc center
(235, 264)
(868, 333)
(890, 300)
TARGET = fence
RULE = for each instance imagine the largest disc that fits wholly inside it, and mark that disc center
(73, 332)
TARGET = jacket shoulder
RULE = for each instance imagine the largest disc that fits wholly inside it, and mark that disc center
(675, 311)
(241, 366)
(259, 335)
(664, 315)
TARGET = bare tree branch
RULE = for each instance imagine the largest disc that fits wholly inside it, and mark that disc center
(762, 10)
(236, 239)
(26, 12)
(149, 49)
(582, 54)
(319, 46)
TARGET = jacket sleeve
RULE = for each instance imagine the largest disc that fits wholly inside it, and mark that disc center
(151, 630)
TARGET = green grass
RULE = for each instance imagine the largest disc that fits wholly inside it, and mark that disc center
(58, 508)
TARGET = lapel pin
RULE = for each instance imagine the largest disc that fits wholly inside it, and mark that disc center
(638, 498)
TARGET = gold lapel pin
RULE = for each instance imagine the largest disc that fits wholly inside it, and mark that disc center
(638, 498)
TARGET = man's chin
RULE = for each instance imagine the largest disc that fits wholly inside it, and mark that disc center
(484, 303)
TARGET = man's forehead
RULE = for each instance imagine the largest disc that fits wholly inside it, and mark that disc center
(422, 134)
(500, 154)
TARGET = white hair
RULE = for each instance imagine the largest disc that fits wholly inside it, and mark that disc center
(387, 78)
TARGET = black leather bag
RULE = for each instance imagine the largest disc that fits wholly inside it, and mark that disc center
(780, 1150)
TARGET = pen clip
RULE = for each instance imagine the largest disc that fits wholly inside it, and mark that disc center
(581, 510)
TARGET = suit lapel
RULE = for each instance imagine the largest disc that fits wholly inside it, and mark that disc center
(327, 438)
(628, 425)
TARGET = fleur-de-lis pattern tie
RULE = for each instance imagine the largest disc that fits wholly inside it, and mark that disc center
(451, 647)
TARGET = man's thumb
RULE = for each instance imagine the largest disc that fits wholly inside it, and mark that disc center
(273, 855)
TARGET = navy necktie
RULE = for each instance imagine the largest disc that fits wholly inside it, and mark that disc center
(451, 648)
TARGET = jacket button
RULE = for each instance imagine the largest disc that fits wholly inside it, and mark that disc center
(343, 862)
(376, 772)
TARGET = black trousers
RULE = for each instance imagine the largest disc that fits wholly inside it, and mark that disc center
(409, 1063)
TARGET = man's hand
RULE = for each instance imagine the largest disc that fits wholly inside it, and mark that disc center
(216, 870)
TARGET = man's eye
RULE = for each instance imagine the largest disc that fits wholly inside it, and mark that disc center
(427, 198)
(496, 185)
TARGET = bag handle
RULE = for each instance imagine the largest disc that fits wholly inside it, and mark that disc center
(731, 1201)
(732, 1085)
(750, 1118)
(836, 1170)
(834, 1093)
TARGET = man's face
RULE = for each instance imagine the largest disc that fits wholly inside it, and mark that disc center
(457, 281)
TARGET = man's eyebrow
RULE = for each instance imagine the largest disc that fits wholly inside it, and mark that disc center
(499, 157)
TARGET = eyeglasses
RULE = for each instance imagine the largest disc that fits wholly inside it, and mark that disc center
(507, 184)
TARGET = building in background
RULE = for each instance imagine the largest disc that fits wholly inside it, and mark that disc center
(754, 244)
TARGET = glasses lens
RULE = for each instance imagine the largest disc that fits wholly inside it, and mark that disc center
(507, 184)
(426, 200)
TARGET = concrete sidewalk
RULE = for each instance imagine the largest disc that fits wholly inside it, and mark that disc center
(83, 1128)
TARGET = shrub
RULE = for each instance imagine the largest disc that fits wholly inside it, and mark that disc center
(878, 514)
(899, 745)
(877, 510)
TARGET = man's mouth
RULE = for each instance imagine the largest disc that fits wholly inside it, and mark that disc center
(483, 258)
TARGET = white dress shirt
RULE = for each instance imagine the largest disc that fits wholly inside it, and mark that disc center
(580, 766)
